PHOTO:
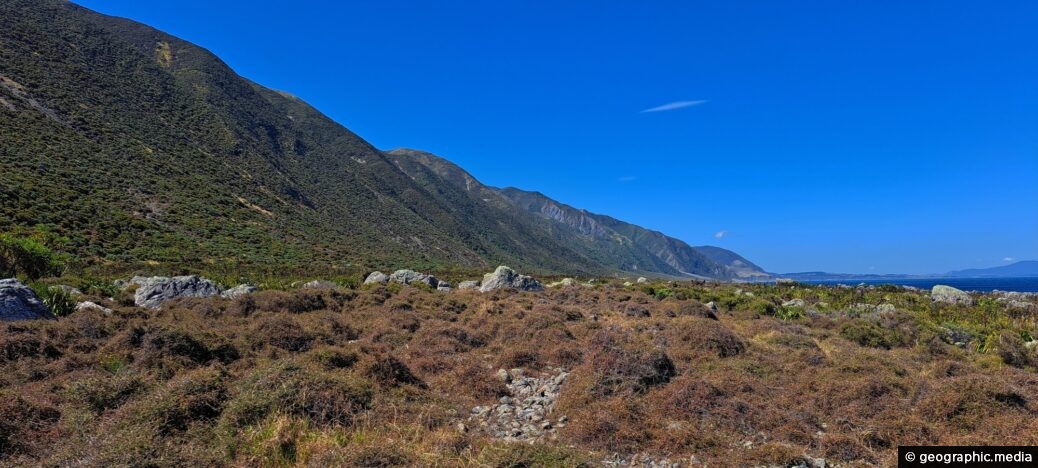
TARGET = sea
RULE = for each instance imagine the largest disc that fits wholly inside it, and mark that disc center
(1029, 284)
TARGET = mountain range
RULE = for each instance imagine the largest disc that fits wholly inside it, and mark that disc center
(140, 148)
(1016, 270)
(1021, 269)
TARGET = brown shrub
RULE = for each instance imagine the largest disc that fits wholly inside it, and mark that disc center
(15, 346)
(689, 398)
(389, 371)
(480, 383)
(1013, 352)
(195, 397)
(334, 358)
(162, 346)
(966, 402)
(687, 308)
(287, 387)
(623, 363)
(613, 424)
(298, 302)
(845, 448)
(105, 392)
(521, 355)
(244, 305)
(22, 422)
(689, 337)
(281, 331)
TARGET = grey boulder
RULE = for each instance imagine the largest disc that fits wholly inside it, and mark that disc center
(563, 283)
(320, 284)
(377, 277)
(87, 305)
(504, 277)
(239, 290)
(19, 302)
(468, 285)
(153, 291)
(950, 295)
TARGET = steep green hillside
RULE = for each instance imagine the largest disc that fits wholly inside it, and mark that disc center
(139, 146)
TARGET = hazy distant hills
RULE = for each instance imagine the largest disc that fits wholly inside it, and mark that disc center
(140, 147)
(1028, 268)
(1019, 269)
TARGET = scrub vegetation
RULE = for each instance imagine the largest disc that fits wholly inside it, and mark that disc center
(380, 376)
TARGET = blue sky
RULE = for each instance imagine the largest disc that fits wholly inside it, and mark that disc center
(872, 137)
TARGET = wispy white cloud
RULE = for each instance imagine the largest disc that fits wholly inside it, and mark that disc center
(1008, 259)
(674, 105)
(720, 234)
(628, 178)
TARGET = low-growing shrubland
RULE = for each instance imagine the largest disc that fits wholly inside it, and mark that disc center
(387, 376)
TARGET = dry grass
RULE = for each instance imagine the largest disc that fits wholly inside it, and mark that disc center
(381, 377)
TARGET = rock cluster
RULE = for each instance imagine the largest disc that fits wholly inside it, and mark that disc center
(19, 302)
(868, 310)
(1015, 300)
(505, 278)
(153, 291)
(794, 303)
(523, 416)
(950, 295)
(563, 283)
(643, 460)
(407, 277)
(320, 284)
(240, 290)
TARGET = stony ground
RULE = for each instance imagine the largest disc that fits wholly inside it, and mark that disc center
(601, 374)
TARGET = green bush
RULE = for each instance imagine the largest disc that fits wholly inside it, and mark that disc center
(789, 313)
(27, 256)
(98, 287)
(57, 300)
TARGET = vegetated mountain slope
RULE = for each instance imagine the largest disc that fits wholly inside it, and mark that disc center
(620, 245)
(614, 256)
(739, 266)
(139, 146)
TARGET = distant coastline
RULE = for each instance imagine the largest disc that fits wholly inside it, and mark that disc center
(1019, 284)
(1021, 276)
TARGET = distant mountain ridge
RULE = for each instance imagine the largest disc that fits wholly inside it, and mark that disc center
(620, 245)
(143, 149)
(1023, 268)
